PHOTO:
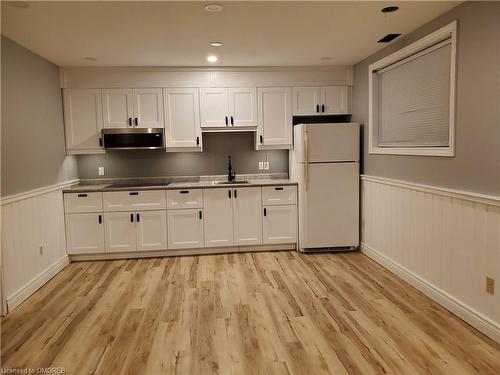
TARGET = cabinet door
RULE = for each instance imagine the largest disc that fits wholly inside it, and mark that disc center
(214, 107)
(335, 99)
(120, 233)
(275, 116)
(151, 227)
(242, 107)
(185, 228)
(82, 120)
(280, 224)
(148, 108)
(247, 216)
(84, 233)
(117, 108)
(182, 118)
(306, 100)
(218, 211)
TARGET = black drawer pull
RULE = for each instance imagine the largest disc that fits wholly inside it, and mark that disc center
(131, 218)
(265, 212)
(322, 108)
(136, 121)
(82, 195)
(133, 193)
(199, 214)
(184, 191)
(317, 108)
(100, 142)
(235, 193)
(130, 121)
(197, 141)
(261, 139)
(232, 121)
(138, 217)
(100, 219)
(226, 120)
(229, 193)
(278, 188)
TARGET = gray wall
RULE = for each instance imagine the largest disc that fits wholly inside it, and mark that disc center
(32, 142)
(213, 159)
(476, 165)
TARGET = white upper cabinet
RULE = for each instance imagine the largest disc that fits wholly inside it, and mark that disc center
(242, 107)
(275, 117)
(151, 230)
(247, 216)
(228, 107)
(218, 222)
(182, 119)
(328, 100)
(83, 120)
(129, 108)
(214, 107)
(118, 108)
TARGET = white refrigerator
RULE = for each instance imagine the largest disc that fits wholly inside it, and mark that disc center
(325, 163)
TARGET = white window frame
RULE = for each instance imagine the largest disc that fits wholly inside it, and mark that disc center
(448, 31)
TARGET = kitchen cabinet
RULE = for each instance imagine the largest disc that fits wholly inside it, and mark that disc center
(134, 200)
(328, 100)
(84, 233)
(275, 118)
(82, 202)
(247, 216)
(185, 228)
(228, 107)
(83, 121)
(135, 231)
(128, 108)
(218, 212)
(279, 224)
(182, 119)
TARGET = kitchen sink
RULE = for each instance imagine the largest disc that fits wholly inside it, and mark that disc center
(230, 182)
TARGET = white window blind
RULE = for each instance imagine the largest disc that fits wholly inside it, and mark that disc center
(414, 99)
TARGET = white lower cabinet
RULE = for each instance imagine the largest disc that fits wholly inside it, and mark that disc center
(279, 224)
(84, 233)
(247, 216)
(151, 228)
(120, 233)
(185, 228)
(218, 210)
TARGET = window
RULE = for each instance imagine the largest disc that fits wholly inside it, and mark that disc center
(412, 98)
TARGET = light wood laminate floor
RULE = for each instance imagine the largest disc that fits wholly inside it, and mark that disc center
(254, 313)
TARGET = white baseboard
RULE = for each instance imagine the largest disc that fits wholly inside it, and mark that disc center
(460, 309)
(36, 283)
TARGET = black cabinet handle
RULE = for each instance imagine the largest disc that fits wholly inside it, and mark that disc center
(82, 195)
(100, 219)
(322, 108)
(229, 193)
(265, 212)
(261, 139)
(100, 142)
(317, 108)
(232, 121)
(131, 218)
(197, 141)
(130, 121)
(138, 217)
(199, 214)
(184, 191)
(226, 120)
(278, 188)
(136, 121)
(133, 193)
(235, 193)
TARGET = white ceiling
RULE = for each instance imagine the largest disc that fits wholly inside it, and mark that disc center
(177, 33)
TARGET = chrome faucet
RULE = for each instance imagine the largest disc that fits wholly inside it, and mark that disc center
(231, 174)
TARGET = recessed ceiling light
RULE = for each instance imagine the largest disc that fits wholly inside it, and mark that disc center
(389, 9)
(213, 7)
(216, 44)
(212, 59)
(325, 58)
(19, 4)
(90, 58)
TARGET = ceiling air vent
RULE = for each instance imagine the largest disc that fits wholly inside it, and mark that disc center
(388, 38)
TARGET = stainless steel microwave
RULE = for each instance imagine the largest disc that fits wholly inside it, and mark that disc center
(133, 139)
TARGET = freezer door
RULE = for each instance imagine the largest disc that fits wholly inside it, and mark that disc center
(329, 213)
(317, 143)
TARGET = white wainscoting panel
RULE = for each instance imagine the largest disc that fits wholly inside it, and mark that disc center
(445, 243)
(28, 223)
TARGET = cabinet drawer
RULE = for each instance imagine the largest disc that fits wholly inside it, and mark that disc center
(277, 195)
(82, 202)
(134, 200)
(186, 198)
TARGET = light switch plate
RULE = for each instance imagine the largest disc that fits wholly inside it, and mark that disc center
(261, 165)
(266, 165)
(100, 171)
(490, 285)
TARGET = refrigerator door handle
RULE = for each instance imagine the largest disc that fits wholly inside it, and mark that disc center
(306, 160)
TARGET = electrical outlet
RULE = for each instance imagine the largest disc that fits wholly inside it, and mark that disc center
(41, 249)
(261, 165)
(100, 171)
(266, 165)
(490, 285)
